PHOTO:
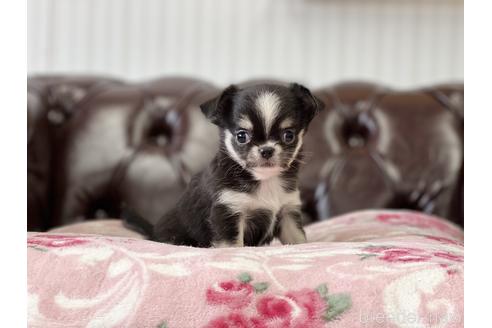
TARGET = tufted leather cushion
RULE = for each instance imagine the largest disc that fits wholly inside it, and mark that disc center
(110, 142)
(95, 143)
(379, 148)
(51, 101)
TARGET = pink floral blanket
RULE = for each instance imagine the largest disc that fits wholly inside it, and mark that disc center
(364, 269)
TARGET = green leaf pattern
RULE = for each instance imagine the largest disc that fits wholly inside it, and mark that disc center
(337, 304)
(260, 287)
(244, 277)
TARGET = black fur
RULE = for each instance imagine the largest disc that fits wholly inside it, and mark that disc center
(256, 232)
(198, 219)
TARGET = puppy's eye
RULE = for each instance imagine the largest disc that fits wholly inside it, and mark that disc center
(288, 136)
(243, 137)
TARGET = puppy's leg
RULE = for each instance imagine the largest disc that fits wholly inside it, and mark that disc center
(260, 226)
(227, 226)
(290, 229)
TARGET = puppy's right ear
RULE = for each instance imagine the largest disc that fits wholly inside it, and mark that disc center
(217, 110)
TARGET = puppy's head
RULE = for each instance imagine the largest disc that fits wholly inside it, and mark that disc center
(262, 126)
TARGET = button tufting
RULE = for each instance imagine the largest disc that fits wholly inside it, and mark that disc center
(160, 132)
(163, 121)
(55, 117)
(456, 99)
(66, 96)
(340, 173)
(358, 129)
(100, 214)
(161, 140)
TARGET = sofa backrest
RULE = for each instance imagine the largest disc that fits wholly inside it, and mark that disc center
(95, 143)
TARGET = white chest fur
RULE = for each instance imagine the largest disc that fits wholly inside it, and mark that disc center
(269, 195)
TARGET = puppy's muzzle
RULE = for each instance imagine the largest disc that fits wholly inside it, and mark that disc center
(266, 152)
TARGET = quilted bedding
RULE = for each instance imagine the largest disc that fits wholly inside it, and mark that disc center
(363, 269)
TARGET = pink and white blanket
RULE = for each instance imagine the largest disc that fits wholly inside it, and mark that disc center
(363, 269)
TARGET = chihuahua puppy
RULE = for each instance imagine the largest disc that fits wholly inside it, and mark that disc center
(248, 194)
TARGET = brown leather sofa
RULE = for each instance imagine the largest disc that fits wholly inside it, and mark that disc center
(96, 143)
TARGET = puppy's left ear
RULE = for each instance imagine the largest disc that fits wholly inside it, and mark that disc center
(216, 110)
(311, 105)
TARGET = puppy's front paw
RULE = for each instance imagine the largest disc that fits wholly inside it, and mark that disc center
(291, 233)
(293, 237)
(226, 244)
(222, 244)
(290, 228)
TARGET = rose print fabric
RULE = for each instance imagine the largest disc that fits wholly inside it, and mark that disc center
(363, 269)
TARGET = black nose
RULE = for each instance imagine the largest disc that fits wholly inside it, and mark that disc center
(266, 152)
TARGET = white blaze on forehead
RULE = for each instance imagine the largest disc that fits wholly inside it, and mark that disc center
(231, 150)
(268, 105)
(245, 123)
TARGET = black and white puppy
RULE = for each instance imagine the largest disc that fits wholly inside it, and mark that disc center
(248, 194)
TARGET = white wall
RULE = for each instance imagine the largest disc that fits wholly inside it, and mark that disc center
(402, 43)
